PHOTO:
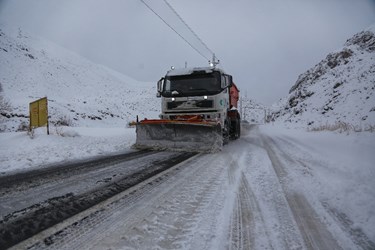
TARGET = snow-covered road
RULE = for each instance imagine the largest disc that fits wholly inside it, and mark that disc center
(267, 190)
(246, 197)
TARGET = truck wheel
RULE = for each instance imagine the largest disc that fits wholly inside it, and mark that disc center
(226, 133)
(235, 129)
(238, 129)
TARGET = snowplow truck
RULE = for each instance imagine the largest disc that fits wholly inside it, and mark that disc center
(198, 112)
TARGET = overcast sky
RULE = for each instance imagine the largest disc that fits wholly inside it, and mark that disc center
(264, 44)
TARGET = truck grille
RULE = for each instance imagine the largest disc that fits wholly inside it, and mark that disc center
(188, 105)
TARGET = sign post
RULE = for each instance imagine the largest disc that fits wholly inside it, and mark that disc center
(39, 114)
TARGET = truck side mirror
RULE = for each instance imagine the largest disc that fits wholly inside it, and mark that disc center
(226, 81)
(159, 87)
(230, 81)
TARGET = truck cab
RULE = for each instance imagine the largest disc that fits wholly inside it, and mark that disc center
(195, 91)
(203, 92)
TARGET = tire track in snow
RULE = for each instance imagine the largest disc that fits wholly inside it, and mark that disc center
(355, 234)
(314, 232)
(83, 222)
(247, 221)
(241, 219)
(182, 216)
(22, 191)
(176, 211)
(278, 229)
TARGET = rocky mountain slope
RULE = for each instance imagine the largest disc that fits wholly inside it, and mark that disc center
(79, 91)
(339, 89)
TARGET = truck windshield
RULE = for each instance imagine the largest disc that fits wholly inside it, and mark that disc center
(192, 85)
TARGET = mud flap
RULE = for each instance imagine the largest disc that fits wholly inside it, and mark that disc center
(189, 137)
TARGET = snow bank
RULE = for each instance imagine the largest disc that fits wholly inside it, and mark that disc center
(338, 169)
(18, 151)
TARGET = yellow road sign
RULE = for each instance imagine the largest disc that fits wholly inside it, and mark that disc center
(39, 113)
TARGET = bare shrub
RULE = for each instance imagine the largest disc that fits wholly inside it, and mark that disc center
(337, 126)
(342, 127)
(31, 133)
(370, 128)
(357, 128)
(5, 105)
(59, 131)
(24, 126)
(5, 108)
(63, 121)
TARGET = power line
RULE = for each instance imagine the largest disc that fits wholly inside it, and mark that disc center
(173, 29)
(176, 30)
(191, 30)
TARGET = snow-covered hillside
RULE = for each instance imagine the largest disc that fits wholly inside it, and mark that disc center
(338, 89)
(79, 91)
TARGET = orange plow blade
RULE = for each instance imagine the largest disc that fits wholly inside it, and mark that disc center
(172, 135)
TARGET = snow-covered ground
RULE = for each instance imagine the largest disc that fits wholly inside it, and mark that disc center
(19, 151)
(280, 178)
(336, 168)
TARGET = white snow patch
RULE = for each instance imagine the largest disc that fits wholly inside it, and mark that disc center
(18, 151)
(337, 169)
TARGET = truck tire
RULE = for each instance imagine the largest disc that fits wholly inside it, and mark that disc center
(238, 129)
(226, 133)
